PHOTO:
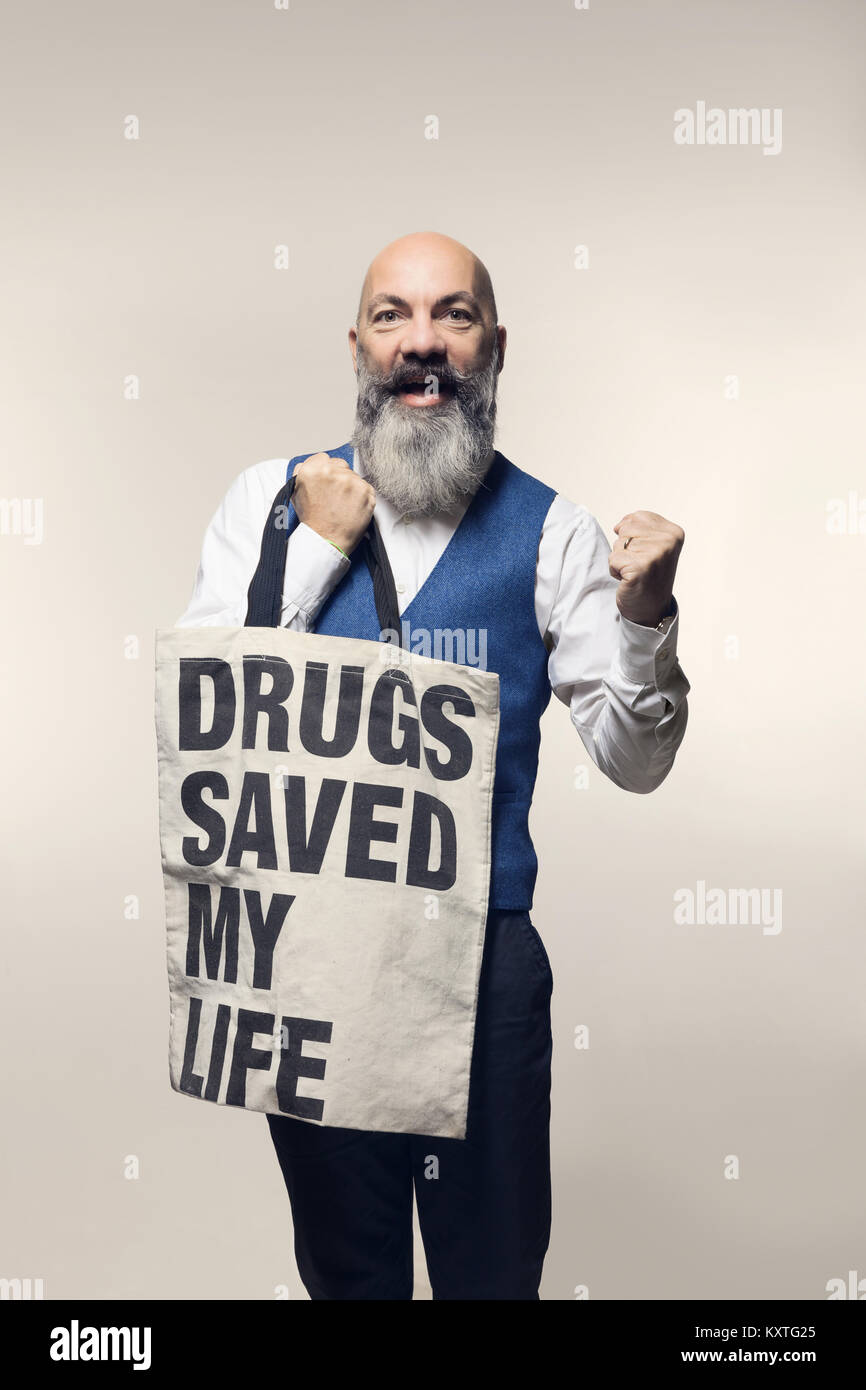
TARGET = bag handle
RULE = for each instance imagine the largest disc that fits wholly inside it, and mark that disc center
(264, 596)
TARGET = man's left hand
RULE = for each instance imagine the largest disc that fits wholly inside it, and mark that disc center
(644, 559)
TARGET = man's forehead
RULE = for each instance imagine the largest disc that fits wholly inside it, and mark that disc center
(422, 275)
(424, 267)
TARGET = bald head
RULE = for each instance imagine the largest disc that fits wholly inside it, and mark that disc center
(433, 267)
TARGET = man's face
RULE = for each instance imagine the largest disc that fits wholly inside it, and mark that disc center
(420, 305)
(427, 353)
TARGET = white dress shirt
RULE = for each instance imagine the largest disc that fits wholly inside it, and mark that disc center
(623, 685)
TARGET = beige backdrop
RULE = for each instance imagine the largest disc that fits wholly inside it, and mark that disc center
(154, 258)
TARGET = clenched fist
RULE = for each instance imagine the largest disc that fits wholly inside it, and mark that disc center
(644, 559)
(332, 500)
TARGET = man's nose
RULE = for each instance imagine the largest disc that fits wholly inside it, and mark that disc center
(423, 338)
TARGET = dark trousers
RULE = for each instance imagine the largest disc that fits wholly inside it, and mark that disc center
(483, 1201)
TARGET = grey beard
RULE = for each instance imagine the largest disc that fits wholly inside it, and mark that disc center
(426, 459)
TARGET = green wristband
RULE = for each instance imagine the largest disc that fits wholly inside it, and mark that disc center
(342, 552)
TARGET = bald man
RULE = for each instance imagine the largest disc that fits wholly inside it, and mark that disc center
(480, 548)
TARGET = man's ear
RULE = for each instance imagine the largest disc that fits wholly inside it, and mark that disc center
(353, 347)
(502, 336)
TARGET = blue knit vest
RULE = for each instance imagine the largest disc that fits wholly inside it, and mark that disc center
(484, 579)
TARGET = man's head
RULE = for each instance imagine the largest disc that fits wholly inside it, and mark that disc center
(427, 352)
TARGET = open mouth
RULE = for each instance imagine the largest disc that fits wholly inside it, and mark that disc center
(419, 393)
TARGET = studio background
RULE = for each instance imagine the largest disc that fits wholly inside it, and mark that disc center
(702, 358)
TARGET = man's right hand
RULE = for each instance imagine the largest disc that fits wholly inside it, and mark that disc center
(332, 500)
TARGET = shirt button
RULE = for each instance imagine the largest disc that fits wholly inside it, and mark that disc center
(401, 588)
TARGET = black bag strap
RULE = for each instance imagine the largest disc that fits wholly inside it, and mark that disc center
(264, 596)
(265, 591)
(384, 588)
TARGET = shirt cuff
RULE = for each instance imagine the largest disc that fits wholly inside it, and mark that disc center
(646, 654)
(313, 568)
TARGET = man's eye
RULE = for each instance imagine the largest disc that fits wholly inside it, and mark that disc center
(394, 313)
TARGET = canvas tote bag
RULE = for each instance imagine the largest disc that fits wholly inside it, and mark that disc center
(325, 827)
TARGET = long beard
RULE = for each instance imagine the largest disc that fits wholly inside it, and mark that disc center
(426, 459)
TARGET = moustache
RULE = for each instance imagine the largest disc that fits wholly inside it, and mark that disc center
(417, 375)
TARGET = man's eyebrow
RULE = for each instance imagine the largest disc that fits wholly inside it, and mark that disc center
(447, 300)
(444, 303)
(393, 299)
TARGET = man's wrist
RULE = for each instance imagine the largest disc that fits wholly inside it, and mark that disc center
(314, 566)
(654, 624)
